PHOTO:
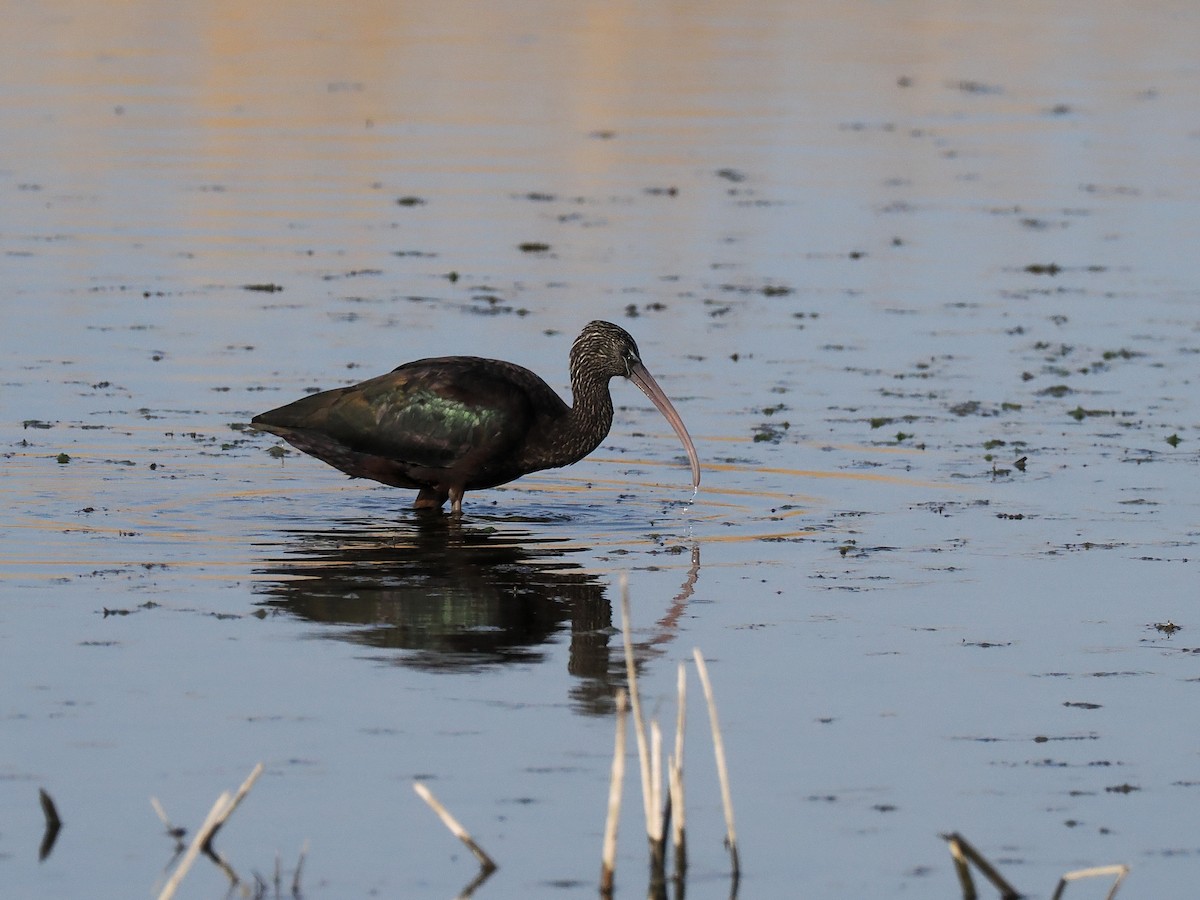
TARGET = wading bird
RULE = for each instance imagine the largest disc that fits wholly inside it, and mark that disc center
(461, 423)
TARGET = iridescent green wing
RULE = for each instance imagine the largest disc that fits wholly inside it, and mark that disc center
(438, 412)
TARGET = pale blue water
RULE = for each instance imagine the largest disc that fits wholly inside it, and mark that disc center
(821, 217)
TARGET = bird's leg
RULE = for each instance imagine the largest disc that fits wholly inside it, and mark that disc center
(456, 495)
(430, 498)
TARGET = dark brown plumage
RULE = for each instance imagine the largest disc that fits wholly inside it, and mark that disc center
(461, 423)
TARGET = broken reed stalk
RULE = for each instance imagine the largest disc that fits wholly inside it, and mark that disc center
(193, 849)
(656, 826)
(1120, 870)
(959, 845)
(456, 829)
(722, 769)
(675, 800)
(656, 833)
(53, 825)
(608, 855)
(234, 803)
(961, 868)
(299, 869)
(217, 816)
(639, 724)
(681, 711)
(49, 811)
(172, 830)
(675, 778)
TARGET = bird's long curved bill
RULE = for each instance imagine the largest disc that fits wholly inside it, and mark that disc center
(640, 376)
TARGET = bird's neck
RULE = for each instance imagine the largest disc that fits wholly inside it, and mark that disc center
(579, 430)
(591, 415)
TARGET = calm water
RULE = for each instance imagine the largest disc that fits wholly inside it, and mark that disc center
(874, 253)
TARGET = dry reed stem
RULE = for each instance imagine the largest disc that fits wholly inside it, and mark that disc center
(961, 868)
(608, 856)
(656, 833)
(217, 816)
(675, 772)
(963, 846)
(234, 803)
(193, 849)
(162, 816)
(656, 827)
(299, 869)
(1120, 870)
(681, 711)
(53, 824)
(635, 703)
(174, 831)
(49, 811)
(456, 829)
(675, 792)
(722, 769)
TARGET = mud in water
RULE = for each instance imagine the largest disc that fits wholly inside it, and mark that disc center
(920, 283)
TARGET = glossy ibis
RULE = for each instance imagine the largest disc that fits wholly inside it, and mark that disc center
(460, 423)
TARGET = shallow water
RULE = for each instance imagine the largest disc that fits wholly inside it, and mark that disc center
(874, 255)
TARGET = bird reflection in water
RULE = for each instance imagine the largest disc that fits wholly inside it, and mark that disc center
(458, 597)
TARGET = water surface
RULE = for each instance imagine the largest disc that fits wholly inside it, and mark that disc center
(875, 254)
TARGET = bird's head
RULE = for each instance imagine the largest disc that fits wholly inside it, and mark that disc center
(604, 350)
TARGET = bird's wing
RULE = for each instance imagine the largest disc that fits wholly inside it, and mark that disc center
(432, 413)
